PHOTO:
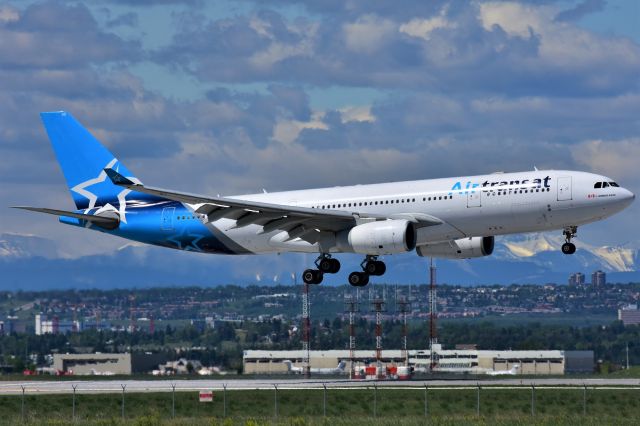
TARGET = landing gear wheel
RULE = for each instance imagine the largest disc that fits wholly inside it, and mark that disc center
(312, 276)
(358, 279)
(569, 232)
(375, 267)
(568, 248)
(328, 265)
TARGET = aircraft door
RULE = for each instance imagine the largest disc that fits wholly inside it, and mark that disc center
(166, 222)
(564, 188)
(474, 198)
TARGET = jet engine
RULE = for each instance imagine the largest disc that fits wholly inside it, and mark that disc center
(463, 248)
(377, 238)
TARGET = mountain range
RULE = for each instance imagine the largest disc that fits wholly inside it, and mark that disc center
(34, 263)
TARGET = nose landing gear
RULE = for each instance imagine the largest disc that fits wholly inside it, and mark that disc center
(569, 232)
(325, 264)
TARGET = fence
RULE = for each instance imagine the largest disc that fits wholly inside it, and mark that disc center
(282, 400)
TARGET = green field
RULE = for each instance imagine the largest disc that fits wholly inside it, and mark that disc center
(352, 406)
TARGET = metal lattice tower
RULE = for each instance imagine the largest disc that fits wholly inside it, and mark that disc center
(152, 324)
(306, 331)
(404, 306)
(378, 306)
(132, 308)
(433, 306)
(351, 306)
(74, 326)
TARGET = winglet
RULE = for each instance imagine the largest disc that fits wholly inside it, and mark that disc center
(118, 179)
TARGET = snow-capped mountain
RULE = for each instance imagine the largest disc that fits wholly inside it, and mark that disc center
(31, 263)
(20, 246)
(622, 258)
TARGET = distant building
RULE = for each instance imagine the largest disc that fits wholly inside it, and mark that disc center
(106, 364)
(629, 315)
(579, 361)
(576, 279)
(529, 362)
(55, 326)
(14, 325)
(181, 366)
(598, 279)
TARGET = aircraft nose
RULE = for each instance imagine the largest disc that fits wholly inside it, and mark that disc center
(629, 195)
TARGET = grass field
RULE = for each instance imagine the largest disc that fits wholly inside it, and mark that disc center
(348, 407)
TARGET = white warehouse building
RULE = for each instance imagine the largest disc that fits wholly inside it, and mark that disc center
(529, 362)
(55, 326)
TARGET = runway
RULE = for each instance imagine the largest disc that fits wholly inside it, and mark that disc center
(185, 385)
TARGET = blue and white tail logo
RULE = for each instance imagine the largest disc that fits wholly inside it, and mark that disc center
(83, 160)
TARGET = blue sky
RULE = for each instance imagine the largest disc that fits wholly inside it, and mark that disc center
(232, 97)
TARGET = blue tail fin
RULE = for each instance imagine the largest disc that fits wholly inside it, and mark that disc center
(83, 160)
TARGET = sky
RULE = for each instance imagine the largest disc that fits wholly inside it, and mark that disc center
(230, 97)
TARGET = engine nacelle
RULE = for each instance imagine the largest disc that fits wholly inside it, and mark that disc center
(464, 248)
(377, 238)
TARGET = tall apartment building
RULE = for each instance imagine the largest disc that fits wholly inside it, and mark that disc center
(576, 279)
(598, 279)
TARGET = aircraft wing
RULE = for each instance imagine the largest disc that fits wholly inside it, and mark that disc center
(102, 221)
(300, 222)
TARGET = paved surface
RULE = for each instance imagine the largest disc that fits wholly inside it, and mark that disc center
(112, 386)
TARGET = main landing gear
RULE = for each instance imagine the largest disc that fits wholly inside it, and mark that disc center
(370, 266)
(325, 264)
(569, 232)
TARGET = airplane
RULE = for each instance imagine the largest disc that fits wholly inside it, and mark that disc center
(511, 372)
(299, 370)
(455, 218)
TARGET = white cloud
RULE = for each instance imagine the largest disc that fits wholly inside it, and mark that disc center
(368, 33)
(515, 19)
(619, 157)
(563, 46)
(278, 51)
(287, 131)
(357, 114)
(8, 14)
(422, 28)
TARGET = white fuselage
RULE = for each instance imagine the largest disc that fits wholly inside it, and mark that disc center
(486, 205)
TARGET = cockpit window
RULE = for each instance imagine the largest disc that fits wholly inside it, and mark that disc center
(605, 185)
(598, 185)
(615, 185)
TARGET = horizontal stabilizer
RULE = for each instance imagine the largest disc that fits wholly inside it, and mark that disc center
(101, 221)
(118, 179)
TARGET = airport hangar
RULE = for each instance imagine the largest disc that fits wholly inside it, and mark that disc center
(532, 362)
(107, 363)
